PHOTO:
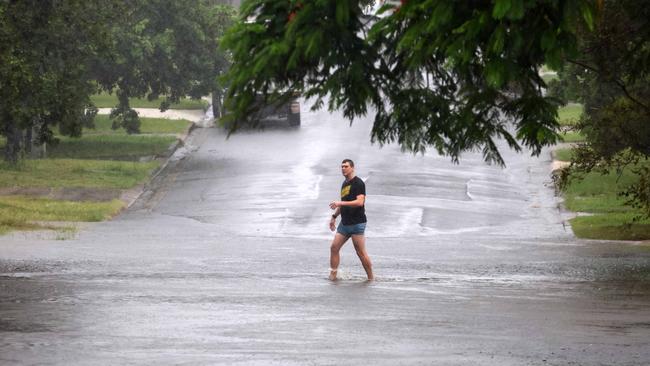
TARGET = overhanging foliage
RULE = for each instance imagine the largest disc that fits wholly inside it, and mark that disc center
(450, 75)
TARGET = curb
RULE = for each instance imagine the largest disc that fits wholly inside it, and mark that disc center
(130, 196)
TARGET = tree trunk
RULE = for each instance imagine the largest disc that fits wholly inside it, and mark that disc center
(217, 105)
(12, 148)
(29, 142)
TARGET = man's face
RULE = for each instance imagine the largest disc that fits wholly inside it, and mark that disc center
(346, 169)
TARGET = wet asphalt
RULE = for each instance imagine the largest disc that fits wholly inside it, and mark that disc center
(224, 261)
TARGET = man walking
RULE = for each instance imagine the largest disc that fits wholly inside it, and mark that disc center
(353, 220)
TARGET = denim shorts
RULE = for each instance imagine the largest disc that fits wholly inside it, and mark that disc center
(349, 230)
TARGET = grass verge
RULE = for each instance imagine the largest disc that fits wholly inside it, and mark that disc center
(569, 115)
(563, 154)
(611, 219)
(103, 142)
(549, 77)
(105, 100)
(22, 213)
(571, 136)
(116, 147)
(60, 173)
(148, 126)
(103, 159)
(611, 227)
(545, 68)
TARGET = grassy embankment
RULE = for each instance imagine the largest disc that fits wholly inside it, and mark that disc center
(569, 116)
(103, 159)
(549, 77)
(598, 196)
(547, 74)
(105, 100)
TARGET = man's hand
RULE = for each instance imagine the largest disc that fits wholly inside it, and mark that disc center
(335, 204)
(332, 224)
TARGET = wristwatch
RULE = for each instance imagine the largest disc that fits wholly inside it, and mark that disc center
(334, 216)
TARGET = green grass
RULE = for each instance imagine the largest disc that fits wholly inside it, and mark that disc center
(569, 115)
(20, 213)
(598, 203)
(549, 77)
(105, 143)
(564, 154)
(595, 184)
(9, 224)
(611, 227)
(114, 147)
(148, 126)
(70, 173)
(612, 219)
(86, 162)
(105, 100)
(571, 136)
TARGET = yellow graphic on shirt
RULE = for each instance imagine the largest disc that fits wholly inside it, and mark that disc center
(345, 191)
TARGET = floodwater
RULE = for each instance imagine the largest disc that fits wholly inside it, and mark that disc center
(224, 261)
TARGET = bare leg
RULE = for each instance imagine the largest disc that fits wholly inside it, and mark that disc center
(335, 258)
(359, 242)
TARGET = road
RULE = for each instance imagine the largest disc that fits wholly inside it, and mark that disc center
(224, 261)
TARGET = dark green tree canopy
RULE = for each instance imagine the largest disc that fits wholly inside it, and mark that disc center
(451, 75)
(45, 79)
(55, 54)
(612, 74)
(611, 77)
(162, 48)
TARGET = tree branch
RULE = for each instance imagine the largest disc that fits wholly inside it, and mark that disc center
(618, 82)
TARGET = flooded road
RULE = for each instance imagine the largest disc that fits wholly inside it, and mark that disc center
(224, 261)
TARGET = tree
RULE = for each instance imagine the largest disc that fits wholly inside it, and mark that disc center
(567, 85)
(163, 48)
(451, 75)
(218, 19)
(55, 54)
(611, 77)
(45, 48)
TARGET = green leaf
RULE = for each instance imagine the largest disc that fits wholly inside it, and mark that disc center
(497, 40)
(501, 8)
(342, 12)
(553, 58)
(516, 10)
(463, 28)
(386, 7)
(495, 73)
(587, 14)
(442, 13)
(547, 41)
(315, 42)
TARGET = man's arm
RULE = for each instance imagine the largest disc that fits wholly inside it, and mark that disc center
(336, 213)
(361, 199)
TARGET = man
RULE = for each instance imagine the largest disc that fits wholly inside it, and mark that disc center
(353, 220)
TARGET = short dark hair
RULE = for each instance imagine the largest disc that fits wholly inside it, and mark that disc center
(348, 161)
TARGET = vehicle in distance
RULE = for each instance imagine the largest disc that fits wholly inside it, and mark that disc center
(275, 115)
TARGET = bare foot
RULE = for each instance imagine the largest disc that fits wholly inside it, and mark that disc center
(332, 276)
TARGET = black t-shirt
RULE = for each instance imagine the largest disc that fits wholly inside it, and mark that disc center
(349, 192)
